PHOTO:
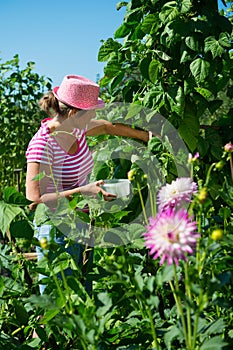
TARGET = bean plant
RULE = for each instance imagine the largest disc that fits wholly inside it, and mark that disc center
(20, 91)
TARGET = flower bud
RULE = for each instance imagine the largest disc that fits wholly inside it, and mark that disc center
(220, 165)
(44, 243)
(192, 159)
(131, 174)
(217, 234)
(202, 196)
(228, 147)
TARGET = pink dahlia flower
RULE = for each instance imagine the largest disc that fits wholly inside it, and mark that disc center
(171, 236)
(228, 147)
(178, 192)
(192, 159)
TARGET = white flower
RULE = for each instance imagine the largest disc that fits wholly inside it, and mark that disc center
(177, 193)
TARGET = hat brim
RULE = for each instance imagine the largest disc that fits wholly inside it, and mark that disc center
(100, 102)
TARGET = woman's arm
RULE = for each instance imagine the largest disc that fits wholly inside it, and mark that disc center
(104, 127)
(36, 190)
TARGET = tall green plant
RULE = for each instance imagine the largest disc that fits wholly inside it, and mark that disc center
(175, 57)
(20, 90)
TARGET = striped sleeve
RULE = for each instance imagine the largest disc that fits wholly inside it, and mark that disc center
(40, 151)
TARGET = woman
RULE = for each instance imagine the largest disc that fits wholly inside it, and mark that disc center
(59, 148)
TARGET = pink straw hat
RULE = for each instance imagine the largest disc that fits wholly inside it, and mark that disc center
(79, 92)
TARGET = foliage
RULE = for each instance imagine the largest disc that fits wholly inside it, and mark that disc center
(20, 90)
(176, 58)
(132, 306)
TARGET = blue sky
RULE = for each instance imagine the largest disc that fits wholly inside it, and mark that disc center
(61, 37)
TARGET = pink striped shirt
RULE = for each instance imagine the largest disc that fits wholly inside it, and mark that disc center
(68, 170)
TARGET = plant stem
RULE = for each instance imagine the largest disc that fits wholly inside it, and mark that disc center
(145, 310)
(208, 174)
(195, 329)
(191, 171)
(175, 291)
(142, 203)
(83, 344)
(231, 166)
(143, 302)
(188, 291)
(197, 313)
(66, 288)
(152, 201)
(198, 245)
(157, 346)
(60, 291)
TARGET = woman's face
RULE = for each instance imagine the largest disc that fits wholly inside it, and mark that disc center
(82, 118)
(78, 119)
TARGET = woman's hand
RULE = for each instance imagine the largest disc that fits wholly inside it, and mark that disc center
(93, 188)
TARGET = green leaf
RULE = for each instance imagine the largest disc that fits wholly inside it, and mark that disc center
(215, 327)
(217, 47)
(107, 304)
(215, 343)
(176, 99)
(21, 229)
(42, 214)
(12, 196)
(112, 68)
(192, 42)
(224, 40)
(169, 12)
(121, 4)
(185, 6)
(129, 89)
(213, 45)
(150, 24)
(227, 193)
(164, 274)
(153, 70)
(185, 57)
(200, 69)
(113, 237)
(133, 110)
(116, 81)
(155, 145)
(135, 231)
(172, 333)
(144, 65)
(122, 31)
(49, 315)
(139, 281)
(202, 146)
(162, 55)
(153, 97)
(34, 343)
(8, 213)
(188, 135)
(108, 50)
(20, 312)
(39, 176)
(203, 92)
(75, 285)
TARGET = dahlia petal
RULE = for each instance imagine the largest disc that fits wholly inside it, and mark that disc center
(172, 237)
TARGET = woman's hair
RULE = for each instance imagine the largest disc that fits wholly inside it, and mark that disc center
(50, 104)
